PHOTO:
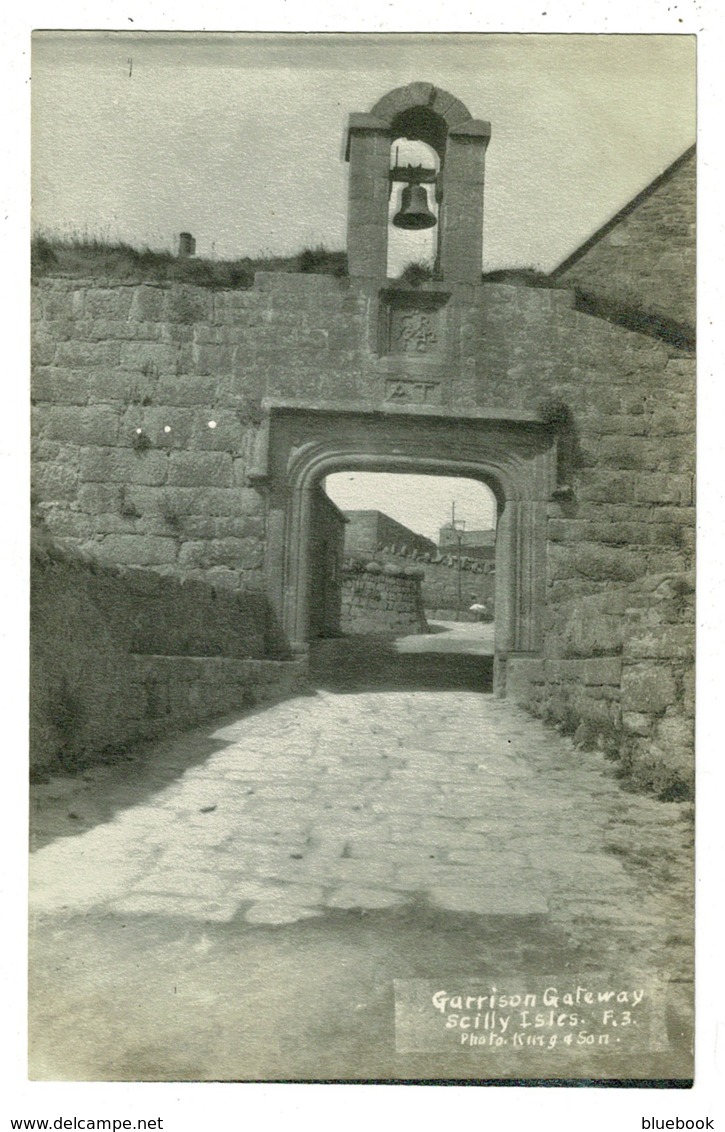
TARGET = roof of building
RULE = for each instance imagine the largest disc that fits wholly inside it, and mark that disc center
(624, 212)
(638, 270)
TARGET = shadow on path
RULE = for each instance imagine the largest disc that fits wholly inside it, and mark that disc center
(65, 803)
(373, 663)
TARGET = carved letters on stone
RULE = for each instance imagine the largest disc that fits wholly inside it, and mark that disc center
(415, 332)
(404, 391)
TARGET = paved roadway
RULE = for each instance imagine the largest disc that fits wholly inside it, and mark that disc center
(236, 903)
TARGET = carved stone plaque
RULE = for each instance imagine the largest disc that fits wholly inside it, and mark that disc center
(415, 332)
(413, 325)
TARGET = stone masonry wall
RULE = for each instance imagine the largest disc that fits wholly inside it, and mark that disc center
(621, 535)
(439, 584)
(139, 455)
(625, 537)
(440, 587)
(386, 602)
(119, 656)
(368, 531)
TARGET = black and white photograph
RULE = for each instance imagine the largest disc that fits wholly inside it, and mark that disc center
(362, 661)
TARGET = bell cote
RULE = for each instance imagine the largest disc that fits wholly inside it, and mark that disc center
(419, 112)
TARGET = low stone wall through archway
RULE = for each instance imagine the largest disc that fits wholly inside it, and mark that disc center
(386, 599)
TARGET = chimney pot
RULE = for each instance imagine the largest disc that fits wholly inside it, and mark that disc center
(187, 244)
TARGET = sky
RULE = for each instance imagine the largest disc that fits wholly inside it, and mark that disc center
(422, 503)
(239, 138)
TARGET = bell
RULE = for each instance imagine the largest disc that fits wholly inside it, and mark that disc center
(414, 212)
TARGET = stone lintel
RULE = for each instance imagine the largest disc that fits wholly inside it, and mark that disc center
(513, 416)
(434, 287)
(475, 128)
(362, 123)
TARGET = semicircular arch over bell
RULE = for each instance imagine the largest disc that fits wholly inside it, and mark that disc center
(422, 112)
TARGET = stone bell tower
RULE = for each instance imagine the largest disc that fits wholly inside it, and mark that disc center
(418, 112)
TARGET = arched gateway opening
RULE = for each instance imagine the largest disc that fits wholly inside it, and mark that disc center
(434, 534)
(512, 453)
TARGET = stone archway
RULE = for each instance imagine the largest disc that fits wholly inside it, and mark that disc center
(513, 454)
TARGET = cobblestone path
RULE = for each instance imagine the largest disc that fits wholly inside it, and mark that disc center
(438, 807)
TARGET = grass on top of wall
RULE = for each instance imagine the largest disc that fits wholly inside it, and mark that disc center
(92, 258)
